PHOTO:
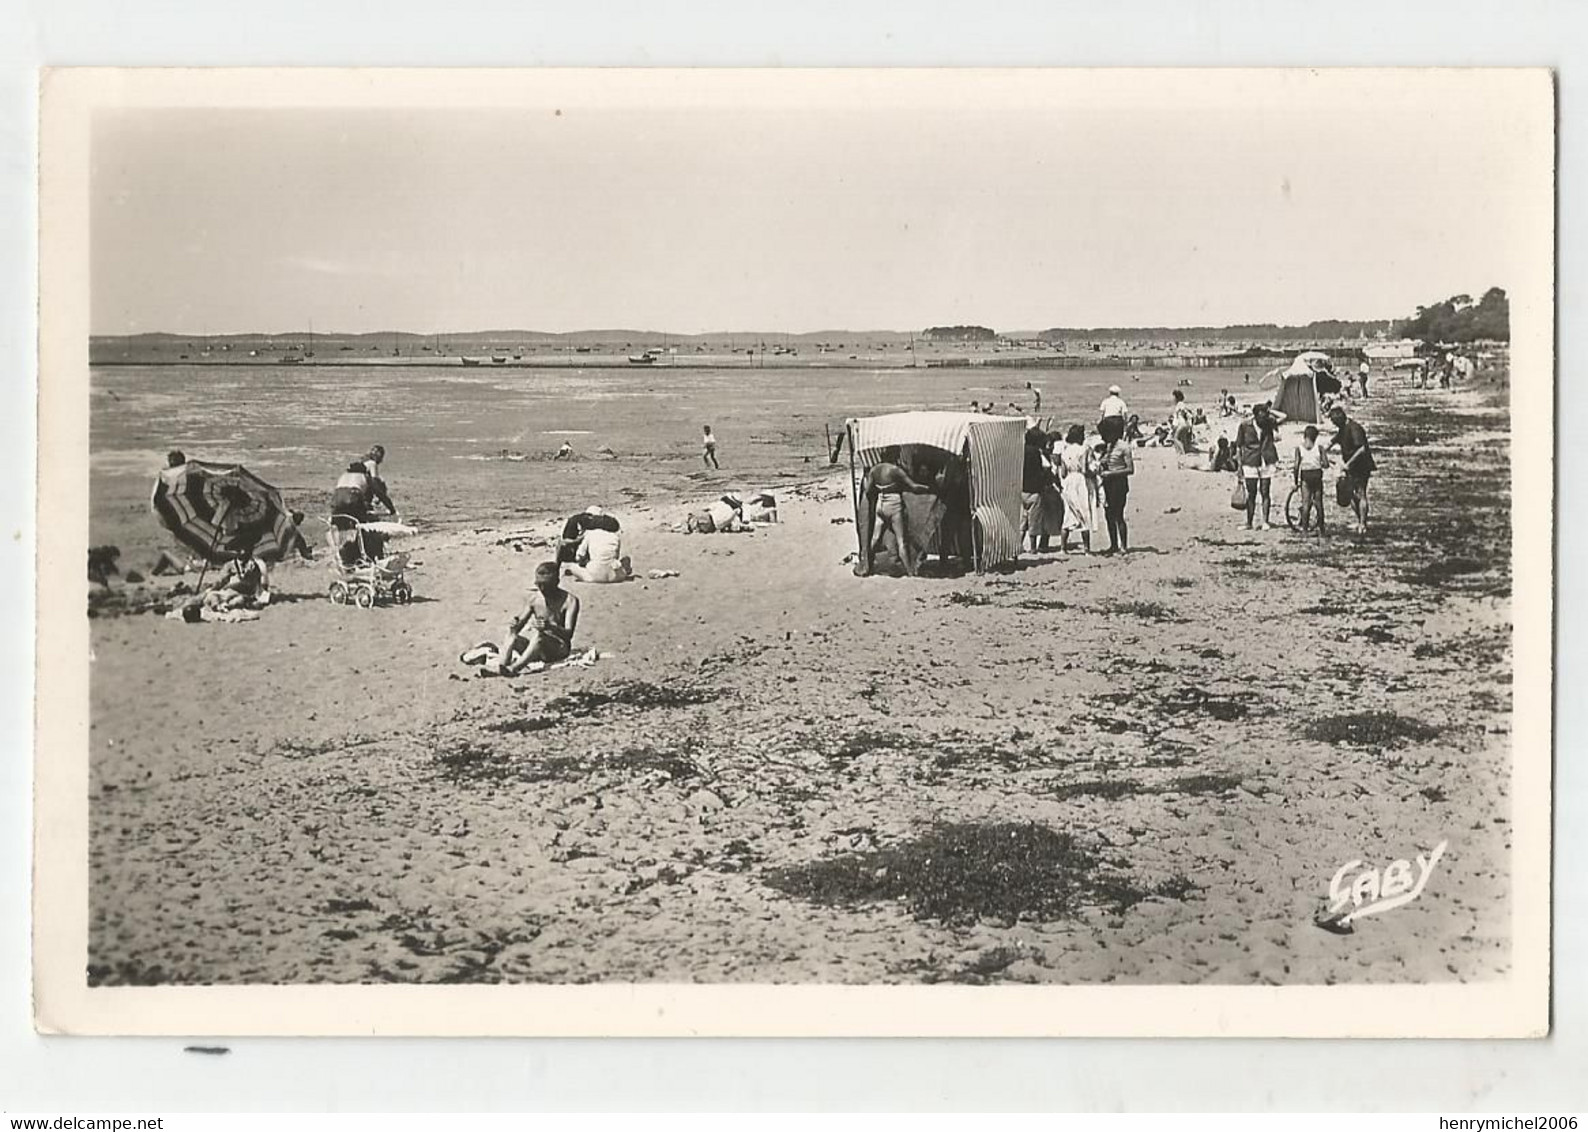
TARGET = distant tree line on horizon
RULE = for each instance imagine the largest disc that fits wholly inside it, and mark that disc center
(1459, 319)
(958, 334)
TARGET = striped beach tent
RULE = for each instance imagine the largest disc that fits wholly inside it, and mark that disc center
(995, 447)
(218, 510)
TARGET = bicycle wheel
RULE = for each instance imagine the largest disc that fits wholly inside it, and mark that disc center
(1293, 508)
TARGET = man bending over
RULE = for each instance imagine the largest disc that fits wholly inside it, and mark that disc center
(882, 494)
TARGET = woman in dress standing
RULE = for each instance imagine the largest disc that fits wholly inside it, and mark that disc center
(1078, 485)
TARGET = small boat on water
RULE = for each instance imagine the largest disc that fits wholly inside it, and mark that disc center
(290, 359)
(649, 358)
(501, 361)
(469, 361)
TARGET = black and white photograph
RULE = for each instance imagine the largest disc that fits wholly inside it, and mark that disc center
(831, 551)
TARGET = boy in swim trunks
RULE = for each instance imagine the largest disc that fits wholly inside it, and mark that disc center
(1308, 466)
(543, 630)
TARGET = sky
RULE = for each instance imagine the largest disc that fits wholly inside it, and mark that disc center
(1145, 208)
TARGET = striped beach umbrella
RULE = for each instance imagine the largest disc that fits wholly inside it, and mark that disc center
(219, 510)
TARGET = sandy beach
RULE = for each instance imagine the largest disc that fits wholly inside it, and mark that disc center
(1138, 769)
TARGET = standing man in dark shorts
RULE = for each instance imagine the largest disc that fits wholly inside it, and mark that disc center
(1356, 461)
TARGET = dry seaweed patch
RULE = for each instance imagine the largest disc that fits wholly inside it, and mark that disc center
(1039, 603)
(1370, 729)
(1224, 707)
(961, 597)
(636, 695)
(957, 749)
(1100, 788)
(935, 750)
(1114, 788)
(737, 856)
(1476, 650)
(466, 763)
(1443, 571)
(128, 973)
(671, 762)
(471, 955)
(1203, 784)
(1376, 633)
(1326, 609)
(864, 742)
(1146, 610)
(963, 873)
(339, 907)
(1117, 664)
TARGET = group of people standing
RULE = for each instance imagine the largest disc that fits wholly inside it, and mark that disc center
(1256, 452)
(1064, 484)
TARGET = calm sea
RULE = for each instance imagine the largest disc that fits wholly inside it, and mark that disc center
(445, 429)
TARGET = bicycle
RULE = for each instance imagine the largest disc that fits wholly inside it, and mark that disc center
(1293, 508)
(1293, 505)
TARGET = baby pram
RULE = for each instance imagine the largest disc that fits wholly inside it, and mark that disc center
(363, 573)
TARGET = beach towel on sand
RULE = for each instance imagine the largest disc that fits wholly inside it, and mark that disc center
(488, 654)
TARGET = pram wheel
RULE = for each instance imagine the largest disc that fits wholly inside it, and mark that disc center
(339, 593)
(364, 597)
(402, 593)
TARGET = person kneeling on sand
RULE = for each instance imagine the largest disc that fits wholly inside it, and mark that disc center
(599, 558)
(542, 633)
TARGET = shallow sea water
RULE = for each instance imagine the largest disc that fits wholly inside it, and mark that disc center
(445, 429)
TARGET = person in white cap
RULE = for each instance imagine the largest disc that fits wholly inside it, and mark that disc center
(573, 531)
(1113, 405)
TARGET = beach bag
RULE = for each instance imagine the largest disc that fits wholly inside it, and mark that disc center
(1342, 491)
(1238, 496)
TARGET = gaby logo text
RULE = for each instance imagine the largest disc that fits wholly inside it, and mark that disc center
(1372, 891)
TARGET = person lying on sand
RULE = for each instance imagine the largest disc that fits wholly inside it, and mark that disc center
(542, 632)
(882, 496)
(725, 516)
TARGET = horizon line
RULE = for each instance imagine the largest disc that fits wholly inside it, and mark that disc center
(636, 332)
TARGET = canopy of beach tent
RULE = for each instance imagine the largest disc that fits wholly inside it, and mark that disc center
(219, 510)
(996, 450)
(1309, 361)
